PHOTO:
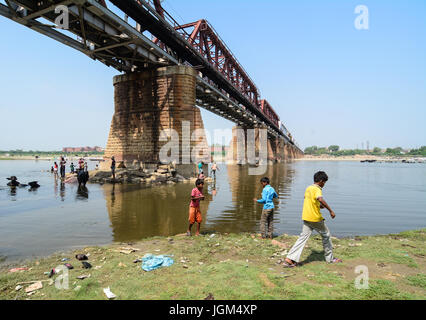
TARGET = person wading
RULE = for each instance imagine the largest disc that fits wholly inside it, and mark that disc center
(113, 167)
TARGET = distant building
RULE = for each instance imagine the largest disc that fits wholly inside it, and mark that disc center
(82, 149)
(219, 149)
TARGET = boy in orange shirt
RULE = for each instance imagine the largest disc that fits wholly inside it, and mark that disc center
(194, 207)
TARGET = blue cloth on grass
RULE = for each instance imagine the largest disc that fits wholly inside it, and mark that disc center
(151, 262)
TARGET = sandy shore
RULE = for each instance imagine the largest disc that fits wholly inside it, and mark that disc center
(359, 158)
(49, 158)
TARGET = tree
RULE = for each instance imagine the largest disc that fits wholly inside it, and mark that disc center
(395, 151)
(333, 148)
(377, 150)
(311, 150)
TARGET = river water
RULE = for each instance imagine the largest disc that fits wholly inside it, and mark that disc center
(368, 198)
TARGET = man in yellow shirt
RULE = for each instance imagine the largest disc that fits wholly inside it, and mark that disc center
(313, 220)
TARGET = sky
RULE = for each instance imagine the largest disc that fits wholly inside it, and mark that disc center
(331, 83)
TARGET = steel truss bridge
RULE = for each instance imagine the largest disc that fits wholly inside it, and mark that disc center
(146, 36)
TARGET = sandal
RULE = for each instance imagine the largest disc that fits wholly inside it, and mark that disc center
(336, 260)
(188, 234)
(289, 265)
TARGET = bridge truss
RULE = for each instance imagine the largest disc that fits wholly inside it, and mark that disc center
(155, 39)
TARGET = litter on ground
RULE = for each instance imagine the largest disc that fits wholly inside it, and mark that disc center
(18, 269)
(35, 286)
(109, 294)
(151, 262)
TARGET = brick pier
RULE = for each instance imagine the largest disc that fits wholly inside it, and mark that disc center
(278, 149)
(145, 104)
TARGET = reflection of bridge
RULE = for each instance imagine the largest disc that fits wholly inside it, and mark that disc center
(169, 69)
(137, 213)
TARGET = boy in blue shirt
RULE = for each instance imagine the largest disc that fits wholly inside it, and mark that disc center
(267, 219)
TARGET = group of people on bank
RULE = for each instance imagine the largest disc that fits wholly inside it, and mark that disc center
(311, 216)
(82, 165)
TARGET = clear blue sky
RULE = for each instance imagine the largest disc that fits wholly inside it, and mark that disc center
(329, 82)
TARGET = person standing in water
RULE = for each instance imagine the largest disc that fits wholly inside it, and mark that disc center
(62, 163)
(194, 207)
(214, 168)
(55, 169)
(113, 167)
(81, 164)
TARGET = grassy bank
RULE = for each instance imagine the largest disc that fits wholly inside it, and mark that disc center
(236, 266)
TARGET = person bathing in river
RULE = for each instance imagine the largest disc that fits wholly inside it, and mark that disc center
(214, 168)
(62, 163)
(201, 176)
(55, 169)
(313, 220)
(194, 207)
(267, 218)
(113, 167)
(81, 164)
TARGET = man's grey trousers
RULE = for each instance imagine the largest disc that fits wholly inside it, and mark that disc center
(308, 227)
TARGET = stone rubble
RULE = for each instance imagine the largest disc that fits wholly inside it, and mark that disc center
(162, 175)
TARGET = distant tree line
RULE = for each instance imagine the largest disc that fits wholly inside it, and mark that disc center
(336, 151)
(14, 153)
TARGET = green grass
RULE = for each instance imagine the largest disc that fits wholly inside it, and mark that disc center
(418, 280)
(236, 266)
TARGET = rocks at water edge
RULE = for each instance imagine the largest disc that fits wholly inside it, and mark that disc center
(162, 175)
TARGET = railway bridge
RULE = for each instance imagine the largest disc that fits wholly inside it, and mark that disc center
(167, 71)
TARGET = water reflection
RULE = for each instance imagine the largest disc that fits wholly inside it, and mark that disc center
(129, 213)
(137, 213)
(12, 193)
(82, 193)
(62, 190)
(244, 214)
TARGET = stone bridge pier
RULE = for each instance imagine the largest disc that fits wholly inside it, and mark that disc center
(146, 105)
(247, 146)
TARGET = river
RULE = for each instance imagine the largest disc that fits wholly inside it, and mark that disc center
(368, 199)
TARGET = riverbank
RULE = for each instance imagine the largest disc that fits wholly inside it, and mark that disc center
(232, 266)
(360, 158)
(95, 157)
